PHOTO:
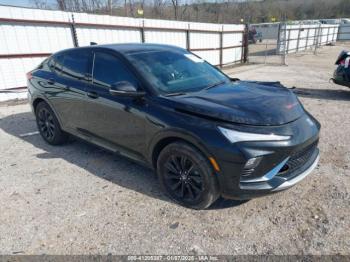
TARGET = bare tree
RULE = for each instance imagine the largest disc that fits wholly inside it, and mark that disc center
(62, 5)
(41, 4)
(216, 11)
(157, 8)
(176, 4)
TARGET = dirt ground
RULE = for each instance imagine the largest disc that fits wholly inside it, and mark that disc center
(78, 199)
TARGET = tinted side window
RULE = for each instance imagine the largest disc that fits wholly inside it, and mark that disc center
(109, 70)
(56, 62)
(76, 64)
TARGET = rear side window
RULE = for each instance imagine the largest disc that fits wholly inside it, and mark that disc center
(108, 70)
(56, 63)
(76, 64)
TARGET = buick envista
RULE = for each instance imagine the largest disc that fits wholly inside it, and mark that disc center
(205, 134)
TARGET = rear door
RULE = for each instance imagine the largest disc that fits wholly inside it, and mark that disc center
(115, 119)
(72, 74)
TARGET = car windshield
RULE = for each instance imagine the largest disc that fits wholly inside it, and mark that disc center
(172, 72)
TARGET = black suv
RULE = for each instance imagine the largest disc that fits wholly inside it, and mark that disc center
(205, 134)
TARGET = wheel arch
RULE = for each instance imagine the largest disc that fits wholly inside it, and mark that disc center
(168, 137)
(39, 99)
(36, 101)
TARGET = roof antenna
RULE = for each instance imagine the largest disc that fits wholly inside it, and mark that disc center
(93, 43)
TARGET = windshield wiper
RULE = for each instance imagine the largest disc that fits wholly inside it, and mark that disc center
(176, 94)
(214, 85)
(205, 88)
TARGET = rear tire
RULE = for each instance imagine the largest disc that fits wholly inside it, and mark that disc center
(48, 125)
(186, 176)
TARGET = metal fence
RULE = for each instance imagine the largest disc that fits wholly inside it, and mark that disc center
(263, 47)
(297, 38)
(274, 41)
(344, 31)
(29, 35)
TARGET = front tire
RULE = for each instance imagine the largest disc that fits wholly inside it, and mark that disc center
(186, 176)
(48, 125)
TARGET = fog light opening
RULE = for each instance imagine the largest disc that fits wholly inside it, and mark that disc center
(284, 169)
(252, 163)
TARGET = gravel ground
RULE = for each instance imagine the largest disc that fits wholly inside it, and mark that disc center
(78, 199)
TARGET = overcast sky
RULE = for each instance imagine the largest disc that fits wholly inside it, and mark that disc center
(16, 2)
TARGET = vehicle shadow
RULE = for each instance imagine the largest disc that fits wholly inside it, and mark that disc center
(97, 161)
(327, 94)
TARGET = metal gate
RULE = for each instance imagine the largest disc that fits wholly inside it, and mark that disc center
(271, 43)
(263, 42)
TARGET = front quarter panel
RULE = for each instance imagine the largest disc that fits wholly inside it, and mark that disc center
(164, 122)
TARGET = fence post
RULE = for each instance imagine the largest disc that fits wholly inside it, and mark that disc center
(282, 42)
(245, 44)
(317, 38)
(142, 31)
(74, 32)
(339, 32)
(335, 33)
(298, 41)
(307, 39)
(221, 45)
(288, 33)
(327, 36)
(278, 38)
(188, 45)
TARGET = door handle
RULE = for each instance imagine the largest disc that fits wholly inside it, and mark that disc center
(92, 94)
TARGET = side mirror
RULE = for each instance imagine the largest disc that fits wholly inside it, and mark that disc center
(124, 88)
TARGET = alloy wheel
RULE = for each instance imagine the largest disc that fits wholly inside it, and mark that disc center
(46, 123)
(183, 178)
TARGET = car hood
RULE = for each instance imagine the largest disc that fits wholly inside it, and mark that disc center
(243, 102)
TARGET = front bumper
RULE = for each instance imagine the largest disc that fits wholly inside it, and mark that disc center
(276, 184)
(341, 76)
(283, 164)
(280, 182)
(298, 178)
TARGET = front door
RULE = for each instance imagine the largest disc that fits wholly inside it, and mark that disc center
(115, 119)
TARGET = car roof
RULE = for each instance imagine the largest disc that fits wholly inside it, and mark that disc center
(129, 48)
(137, 47)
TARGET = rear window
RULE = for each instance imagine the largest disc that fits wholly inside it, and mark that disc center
(56, 62)
(75, 64)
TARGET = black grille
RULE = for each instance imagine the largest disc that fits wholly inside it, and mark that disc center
(298, 159)
(247, 172)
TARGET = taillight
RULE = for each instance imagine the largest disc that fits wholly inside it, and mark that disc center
(342, 62)
(29, 75)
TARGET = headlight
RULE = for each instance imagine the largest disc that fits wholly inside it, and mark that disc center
(236, 136)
